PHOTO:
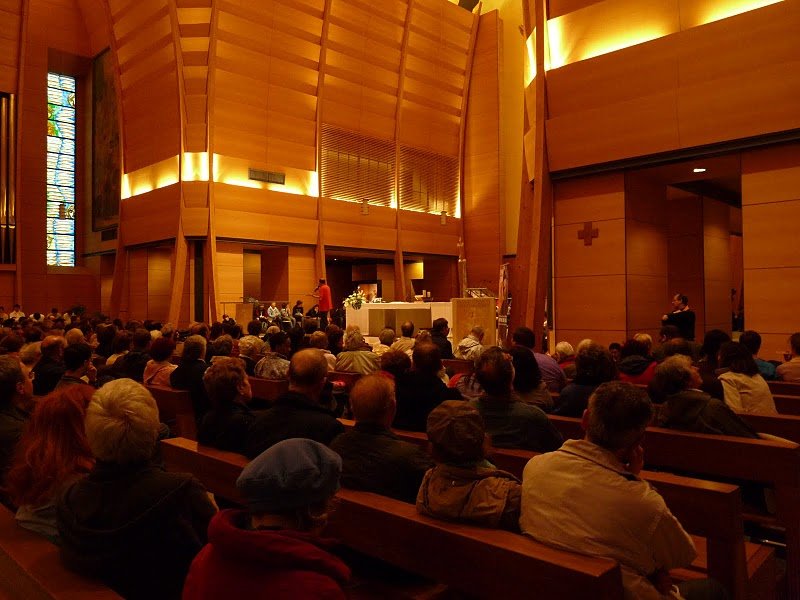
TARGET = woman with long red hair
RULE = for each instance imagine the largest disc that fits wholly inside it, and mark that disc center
(51, 454)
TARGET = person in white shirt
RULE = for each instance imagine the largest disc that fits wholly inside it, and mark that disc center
(17, 313)
(587, 497)
(746, 391)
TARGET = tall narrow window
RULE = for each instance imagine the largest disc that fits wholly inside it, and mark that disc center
(60, 170)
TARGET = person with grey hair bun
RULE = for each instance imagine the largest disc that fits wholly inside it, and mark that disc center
(274, 549)
(129, 517)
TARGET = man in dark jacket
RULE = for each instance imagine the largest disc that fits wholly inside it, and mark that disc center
(298, 413)
(439, 331)
(509, 422)
(684, 406)
(421, 390)
(373, 458)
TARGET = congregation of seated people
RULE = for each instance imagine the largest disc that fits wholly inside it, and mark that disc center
(79, 433)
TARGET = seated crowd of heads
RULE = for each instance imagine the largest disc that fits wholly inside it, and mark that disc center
(79, 435)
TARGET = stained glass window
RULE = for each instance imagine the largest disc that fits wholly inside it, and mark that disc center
(60, 170)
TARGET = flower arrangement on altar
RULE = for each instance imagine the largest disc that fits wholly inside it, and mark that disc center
(356, 299)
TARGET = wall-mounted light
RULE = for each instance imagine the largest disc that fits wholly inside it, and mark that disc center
(699, 170)
(364, 206)
(443, 217)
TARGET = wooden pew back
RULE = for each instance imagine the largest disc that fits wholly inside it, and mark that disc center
(346, 377)
(456, 365)
(785, 388)
(425, 546)
(176, 410)
(268, 389)
(31, 569)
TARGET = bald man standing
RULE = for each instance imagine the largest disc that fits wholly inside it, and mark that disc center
(373, 458)
(298, 413)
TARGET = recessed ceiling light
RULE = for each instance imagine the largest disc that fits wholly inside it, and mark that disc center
(699, 170)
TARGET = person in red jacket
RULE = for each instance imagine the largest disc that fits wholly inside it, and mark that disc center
(274, 550)
(323, 292)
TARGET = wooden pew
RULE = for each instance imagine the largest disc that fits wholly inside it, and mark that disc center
(425, 546)
(176, 410)
(787, 405)
(31, 569)
(457, 365)
(268, 389)
(784, 388)
(708, 509)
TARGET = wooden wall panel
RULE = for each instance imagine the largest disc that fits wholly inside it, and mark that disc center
(230, 275)
(732, 78)
(483, 216)
(771, 204)
(302, 275)
(274, 274)
(142, 36)
(11, 17)
(159, 282)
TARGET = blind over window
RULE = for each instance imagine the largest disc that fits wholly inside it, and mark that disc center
(428, 181)
(355, 167)
(7, 160)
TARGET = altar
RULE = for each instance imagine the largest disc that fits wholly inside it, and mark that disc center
(371, 318)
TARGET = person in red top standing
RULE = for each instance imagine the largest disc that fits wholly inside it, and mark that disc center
(325, 302)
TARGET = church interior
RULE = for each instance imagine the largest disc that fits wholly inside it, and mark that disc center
(168, 160)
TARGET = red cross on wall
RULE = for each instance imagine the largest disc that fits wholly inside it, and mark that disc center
(588, 233)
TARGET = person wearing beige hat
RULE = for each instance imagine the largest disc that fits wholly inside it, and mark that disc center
(464, 485)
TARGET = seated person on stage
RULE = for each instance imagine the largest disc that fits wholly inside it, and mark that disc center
(439, 330)
(129, 523)
(275, 364)
(373, 458)
(790, 371)
(509, 422)
(189, 374)
(420, 390)
(587, 498)
(681, 404)
(226, 425)
(16, 404)
(52, 453)
(593, 366)
(635, 365)
(528, 384)
(745, 389)
(160, 367)
(752, 341)
(471, 347)
(319, 340)
(273, 312)
(552, 374)
(385, 340)
(274, 549)
(464, 485)
(358, 356)
(406, 341)
(298, 312)
(298, 412)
